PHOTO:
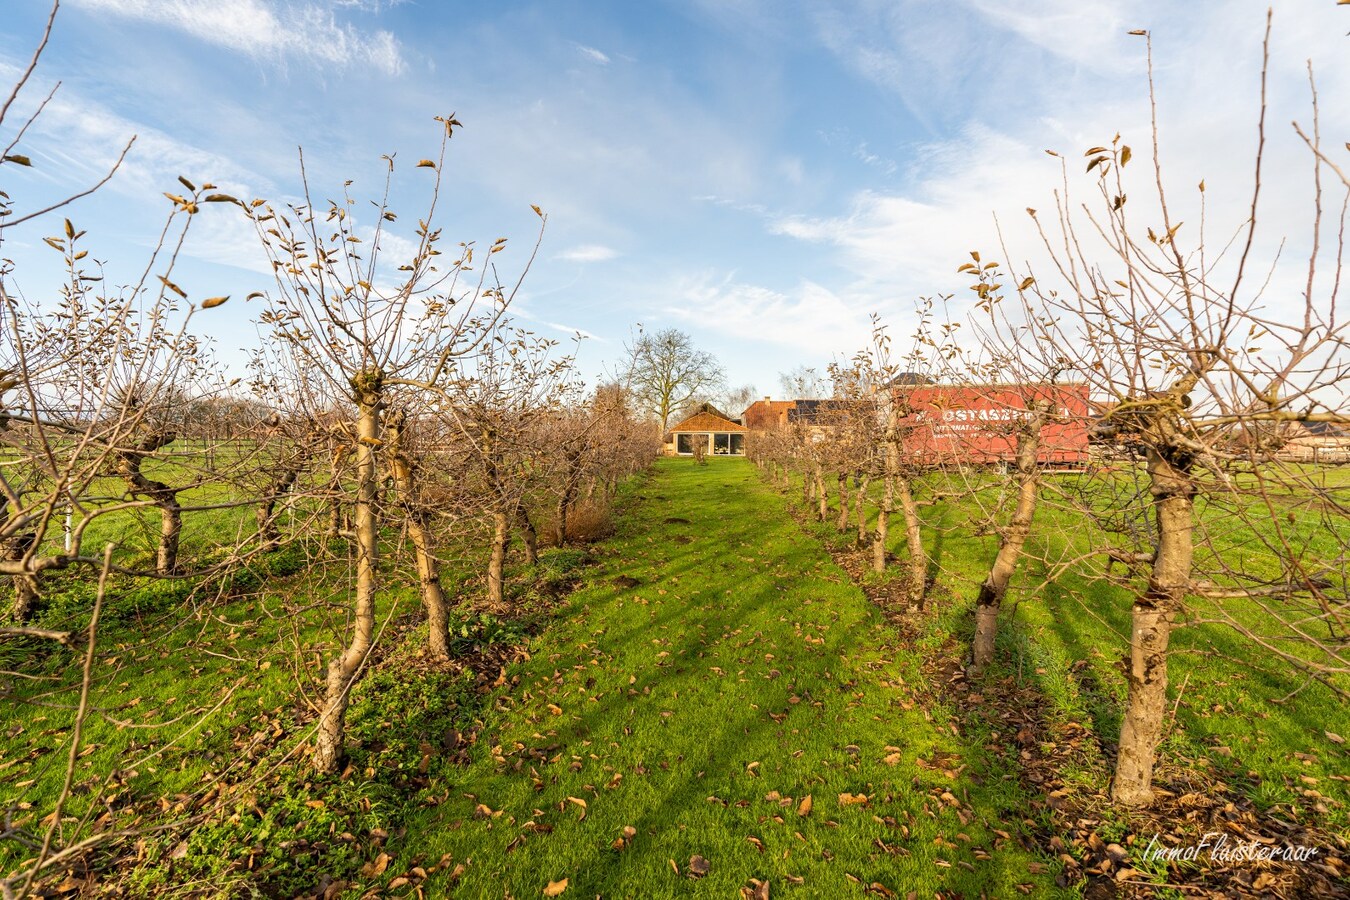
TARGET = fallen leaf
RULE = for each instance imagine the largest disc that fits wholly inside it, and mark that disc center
(758, 890)
(804, 808)
(555, 888)
(376, 866)
(698, 866)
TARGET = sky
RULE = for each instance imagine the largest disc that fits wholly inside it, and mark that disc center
(763, 174)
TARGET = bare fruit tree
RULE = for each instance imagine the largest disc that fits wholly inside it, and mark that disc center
(1195, 365)
(499, 405)
(370, 331)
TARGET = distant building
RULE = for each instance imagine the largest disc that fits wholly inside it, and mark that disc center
(968, 424)
(979, 423)
(1315, 442)
(718, 435)
(767, 413)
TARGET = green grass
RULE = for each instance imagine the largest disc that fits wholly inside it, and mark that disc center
(196, 682)
(741, 673)
(712, 633)
(1242, 718)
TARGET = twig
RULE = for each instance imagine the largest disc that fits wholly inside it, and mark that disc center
(61, 637)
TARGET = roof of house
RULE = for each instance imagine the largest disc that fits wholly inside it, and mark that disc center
(908, 379)
(821, 412)
(1326, 429)
(1329, 431)
(706, 421)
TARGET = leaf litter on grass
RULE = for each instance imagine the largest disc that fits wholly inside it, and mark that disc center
(739, 710)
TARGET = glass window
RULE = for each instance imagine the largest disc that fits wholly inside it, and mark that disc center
(684, 443)
(721, 444)
(737, 444)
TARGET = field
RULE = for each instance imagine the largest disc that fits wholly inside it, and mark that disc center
(701, 703)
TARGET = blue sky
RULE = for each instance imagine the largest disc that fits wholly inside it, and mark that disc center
(761, 173)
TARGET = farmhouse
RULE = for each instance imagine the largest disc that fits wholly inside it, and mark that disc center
(718, 435)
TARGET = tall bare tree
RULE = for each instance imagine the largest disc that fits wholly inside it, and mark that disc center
(1192, 366)
(664, 371)
(368, 330)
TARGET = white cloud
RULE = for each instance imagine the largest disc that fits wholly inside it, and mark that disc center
(1089, 33)
(587, 253)
(519, 309)
(573, 330)
(262, 29)
(593, 54)
(84, 137)
(368, 6)
(812, 319)
(896, 245)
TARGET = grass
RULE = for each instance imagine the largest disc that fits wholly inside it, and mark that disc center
(716, 670)
(1242, 719)
(204, 683)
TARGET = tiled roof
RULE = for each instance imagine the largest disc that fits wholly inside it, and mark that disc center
(823, 412)
(707, 422)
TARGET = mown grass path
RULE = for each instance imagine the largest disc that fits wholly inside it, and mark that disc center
(715, 672)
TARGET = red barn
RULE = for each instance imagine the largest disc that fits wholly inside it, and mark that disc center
(978, 423)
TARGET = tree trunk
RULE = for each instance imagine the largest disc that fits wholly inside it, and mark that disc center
(269, 537)
(129, 462)
(342, 671)
(1014, 537)
(822, 495)
(170, 531)
(424, 543)
(496, 598)
(884, 513)
(861, 483)
(917, 567)
(25, 598)
(565, 500)
(560, 524)
(25, 586)
(433, 593)
(334, 517)
(1172, 488)
(842, 525)
(528, 535)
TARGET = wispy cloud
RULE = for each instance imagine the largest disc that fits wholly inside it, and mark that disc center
(520, 310)
(368, 6)
(572, 329)
(809, 319)
(262, 29)
(86, 136)
(587, 253)
(593, 54)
